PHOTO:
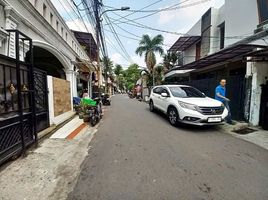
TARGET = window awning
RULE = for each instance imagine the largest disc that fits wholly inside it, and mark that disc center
(224, 55)
(84, 65)
(184, 42)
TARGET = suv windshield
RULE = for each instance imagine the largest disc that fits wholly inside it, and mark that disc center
(186, 92)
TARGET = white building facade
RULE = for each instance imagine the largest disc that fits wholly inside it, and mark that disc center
(55, 49)
(224, 43)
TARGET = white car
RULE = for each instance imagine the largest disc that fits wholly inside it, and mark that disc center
(186, 104)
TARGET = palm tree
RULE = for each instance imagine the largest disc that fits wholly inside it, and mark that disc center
(169, 60)
(158, 73)
(150, 46)
(118, 70)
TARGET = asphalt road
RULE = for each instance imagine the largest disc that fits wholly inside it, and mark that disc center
(137, 155)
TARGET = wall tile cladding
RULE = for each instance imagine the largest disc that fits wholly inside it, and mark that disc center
(62, 96)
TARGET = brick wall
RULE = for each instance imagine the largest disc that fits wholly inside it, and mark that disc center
(62, 96)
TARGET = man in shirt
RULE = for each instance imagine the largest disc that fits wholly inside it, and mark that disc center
(220, 95)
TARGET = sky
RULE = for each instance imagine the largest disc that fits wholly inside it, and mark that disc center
(179, 21)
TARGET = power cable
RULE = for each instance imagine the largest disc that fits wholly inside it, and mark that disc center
(117, 38)
(139, 25)
(145, 16)
(79, 15)
(70, 17)
(154, 3)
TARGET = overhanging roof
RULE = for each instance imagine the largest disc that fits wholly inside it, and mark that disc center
(176, 73)
(184, 42)
(85, 39)
(223, 55)
(260, 53)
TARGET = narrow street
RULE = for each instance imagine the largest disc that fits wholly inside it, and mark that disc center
(137, 155)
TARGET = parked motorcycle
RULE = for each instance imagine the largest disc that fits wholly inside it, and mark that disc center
(106, 101)
(130, 95)
(95, 112)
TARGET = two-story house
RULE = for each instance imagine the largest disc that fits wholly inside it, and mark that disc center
(229, 42)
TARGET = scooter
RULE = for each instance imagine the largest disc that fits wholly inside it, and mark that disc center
(105, 100)
(95, 112)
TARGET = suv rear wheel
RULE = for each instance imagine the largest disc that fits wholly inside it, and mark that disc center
(173, 116)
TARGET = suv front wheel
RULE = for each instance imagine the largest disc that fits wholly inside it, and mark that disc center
(173, 116)
(151, 105)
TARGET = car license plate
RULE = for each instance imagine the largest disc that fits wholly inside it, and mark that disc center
(214, 119)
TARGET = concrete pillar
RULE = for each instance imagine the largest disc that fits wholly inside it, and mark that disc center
(50, 100)
(90, 84)
(70, 76)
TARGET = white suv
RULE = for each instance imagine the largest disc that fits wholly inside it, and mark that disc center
(186, 104)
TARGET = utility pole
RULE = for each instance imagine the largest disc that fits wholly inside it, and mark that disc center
(97, 32)
(98, 15)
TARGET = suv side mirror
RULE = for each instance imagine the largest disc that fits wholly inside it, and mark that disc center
(164, 94)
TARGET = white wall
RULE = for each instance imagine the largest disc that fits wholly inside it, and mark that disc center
(241, 18)
(217, 18)
(196, 29)
(189, 55)
(259, 72)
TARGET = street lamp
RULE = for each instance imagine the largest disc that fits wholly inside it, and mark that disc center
(116, 9)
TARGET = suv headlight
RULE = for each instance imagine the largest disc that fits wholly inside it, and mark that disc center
(189, 106)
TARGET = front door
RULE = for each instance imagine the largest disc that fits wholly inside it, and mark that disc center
(41, 99)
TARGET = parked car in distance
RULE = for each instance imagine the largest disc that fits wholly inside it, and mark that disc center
(186, 104)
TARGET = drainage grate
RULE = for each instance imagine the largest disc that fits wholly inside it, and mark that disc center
(244, 131)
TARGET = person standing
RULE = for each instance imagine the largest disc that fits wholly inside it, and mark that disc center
(220, 95)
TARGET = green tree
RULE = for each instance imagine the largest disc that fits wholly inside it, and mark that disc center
(108, 65)
(169, 60)
(118, 69)
(150, 46)
(131, 75)
(108, 69)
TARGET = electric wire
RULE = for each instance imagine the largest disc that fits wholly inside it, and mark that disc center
(118, 39)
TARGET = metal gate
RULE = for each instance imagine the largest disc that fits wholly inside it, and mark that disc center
(41, 99)
(17, 106)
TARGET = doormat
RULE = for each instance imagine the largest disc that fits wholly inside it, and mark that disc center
(244, 131)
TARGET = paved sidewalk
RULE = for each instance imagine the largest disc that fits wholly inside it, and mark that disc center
(258, 137)
(48, 172)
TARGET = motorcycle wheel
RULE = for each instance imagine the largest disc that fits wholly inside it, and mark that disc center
(93, 121)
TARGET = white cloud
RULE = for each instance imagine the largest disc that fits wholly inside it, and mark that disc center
(117, 58)
(139, 60)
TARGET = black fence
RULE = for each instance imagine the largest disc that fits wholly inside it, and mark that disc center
(17, 97)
